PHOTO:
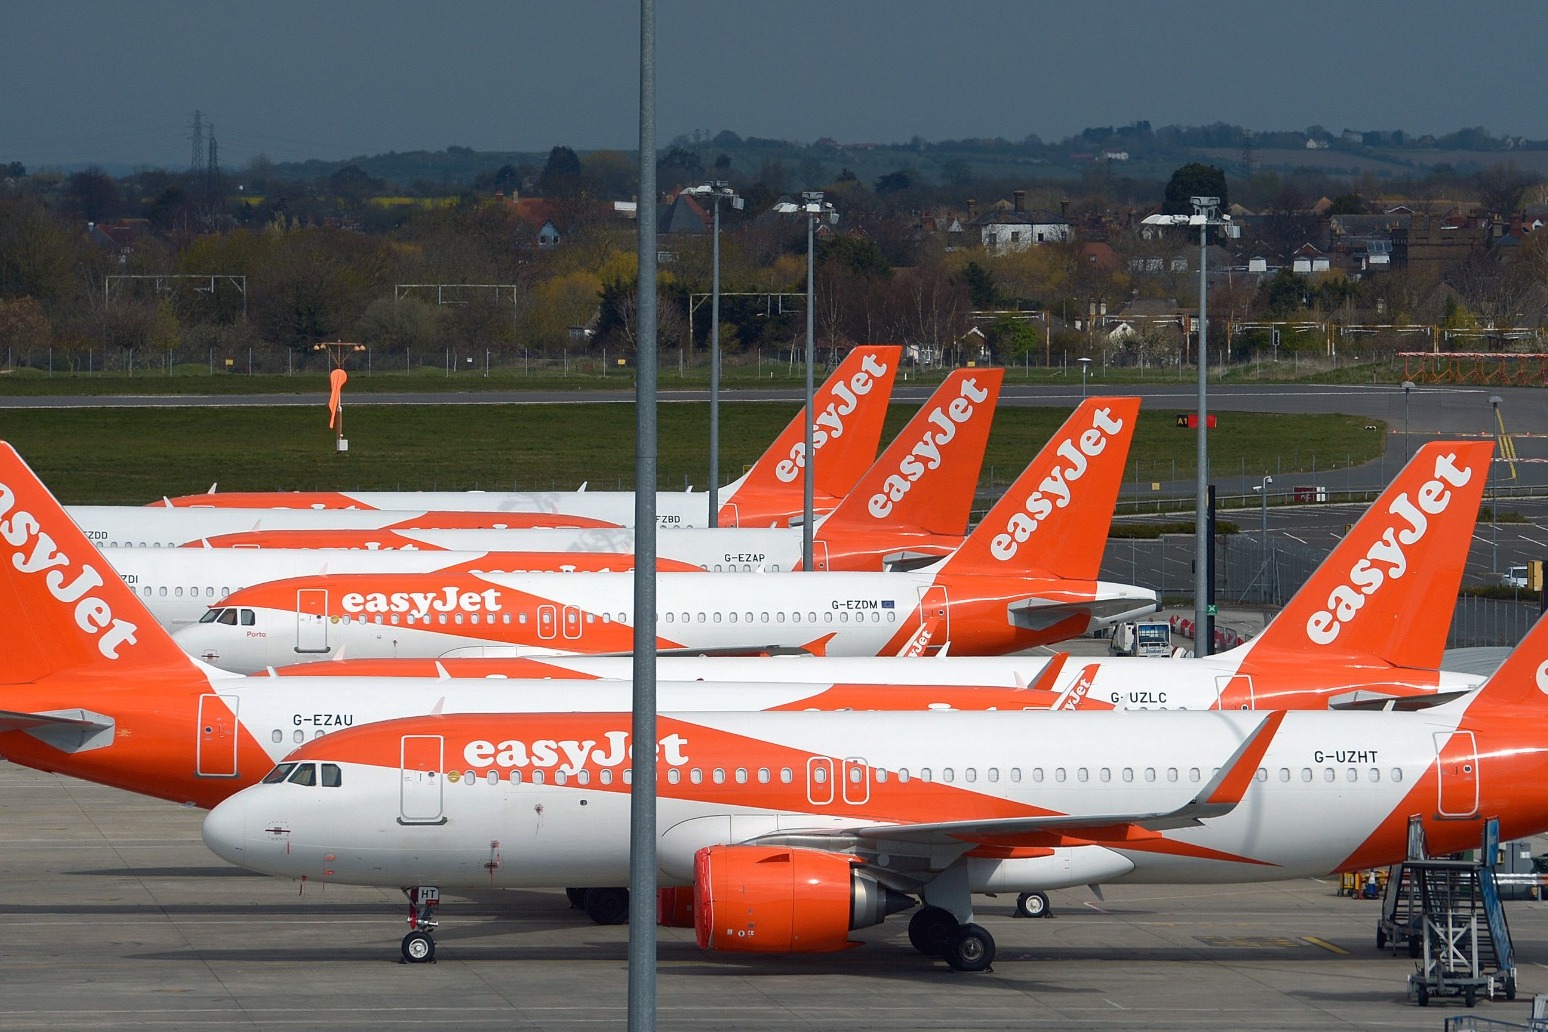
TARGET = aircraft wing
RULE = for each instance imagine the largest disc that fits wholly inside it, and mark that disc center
(1218, 797)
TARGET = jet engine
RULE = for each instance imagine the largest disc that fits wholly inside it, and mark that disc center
(776, 899)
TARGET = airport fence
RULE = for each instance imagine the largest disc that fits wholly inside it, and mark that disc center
(1252, 572)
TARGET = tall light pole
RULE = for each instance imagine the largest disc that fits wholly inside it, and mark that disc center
(1205, 214)
(1085, 363)
(1494, 488)
(814, 207)
(1263, 547)
(1408, 385)
(716, 191)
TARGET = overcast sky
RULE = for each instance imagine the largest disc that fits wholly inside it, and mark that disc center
(115, 82)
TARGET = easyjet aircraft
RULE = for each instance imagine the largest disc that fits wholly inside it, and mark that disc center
(178, 585)
(1026, 576)
(850, 408)
(910, 508)
(1354, 635)
(782, 832)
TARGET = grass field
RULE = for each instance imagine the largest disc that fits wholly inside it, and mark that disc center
(132, 456)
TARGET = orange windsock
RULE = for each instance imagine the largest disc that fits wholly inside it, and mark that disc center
(336, 381)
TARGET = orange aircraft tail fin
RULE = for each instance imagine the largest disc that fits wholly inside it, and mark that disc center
(63, 607)
(1387, 590)
(1054, 519)
(850, 407)
(926, 478)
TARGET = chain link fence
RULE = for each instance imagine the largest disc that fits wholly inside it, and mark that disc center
(1252, 572)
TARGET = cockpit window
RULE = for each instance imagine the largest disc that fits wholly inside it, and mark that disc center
(247, 618)
(228, 617)
(211, 615)
(304, 774)
(332, 777)
(278, 774)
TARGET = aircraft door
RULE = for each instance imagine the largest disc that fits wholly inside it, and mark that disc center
(819, 781)
(548, 622)
(422, 777)
(820, 555)
(572, 622)
(312, 620)
(1456, 764)
(857, 781)
(216, 755)
(727, 516)
(935, 607)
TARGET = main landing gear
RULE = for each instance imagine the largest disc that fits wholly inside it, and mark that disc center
(936, 932)
(606, 906)
(419, 943)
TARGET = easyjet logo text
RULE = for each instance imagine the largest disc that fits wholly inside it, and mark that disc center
(941, 429)
(1386, 559)
(69, 583)
(1073, 457)
(829, 423)
(569, 755)
(422, 603)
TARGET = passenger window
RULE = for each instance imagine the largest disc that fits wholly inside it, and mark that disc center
(696, 776)
(786, 775)
(763, 775)
(719, 776)
(606, 777)
(537, 777)
(277, 736)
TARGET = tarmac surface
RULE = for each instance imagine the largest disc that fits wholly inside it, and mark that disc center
(118, 918)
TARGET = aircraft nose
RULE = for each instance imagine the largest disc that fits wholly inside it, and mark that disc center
(225, 830)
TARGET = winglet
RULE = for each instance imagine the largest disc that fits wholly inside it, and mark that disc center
(62, 605)
(850, 408)
(1054, 519)
(1387, 591)
(926, 478)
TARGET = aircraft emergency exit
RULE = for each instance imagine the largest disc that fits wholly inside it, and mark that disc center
(850, 408)
(1026, 576)
(782, 832)
(910, 508)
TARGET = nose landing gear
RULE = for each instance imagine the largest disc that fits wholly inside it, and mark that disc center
(419, 943)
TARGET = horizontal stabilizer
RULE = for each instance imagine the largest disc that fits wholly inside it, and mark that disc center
(1039, 614)
(70, 731)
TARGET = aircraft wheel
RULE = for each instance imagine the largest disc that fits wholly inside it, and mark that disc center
(1032, 904)
(970, 948)
(1422, 995)
(930, 928)
(1510, 987)
(418, 948)
(606, 906)
(1470, 996)
(1381, 938)
(577, 898)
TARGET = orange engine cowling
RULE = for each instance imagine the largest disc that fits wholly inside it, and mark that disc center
(777, 899)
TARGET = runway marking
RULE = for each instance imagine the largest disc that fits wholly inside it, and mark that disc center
(1324, 944)
(1292, 537)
